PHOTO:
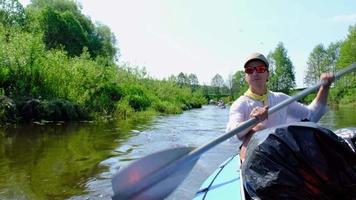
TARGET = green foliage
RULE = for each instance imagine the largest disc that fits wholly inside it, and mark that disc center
(321, 60)
(63, 29)
(166, 107)
(218, 83)
(61, 67)
(64, 26)
(123, 109)
(12, 13)
(281, 70)
(347, 57)
(239, 84)
(344, 90)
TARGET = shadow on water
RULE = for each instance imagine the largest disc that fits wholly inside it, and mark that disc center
(57, 162)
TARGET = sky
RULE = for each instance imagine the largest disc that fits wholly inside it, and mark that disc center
(206, 37)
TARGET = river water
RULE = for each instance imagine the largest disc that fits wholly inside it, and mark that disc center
(77, 160)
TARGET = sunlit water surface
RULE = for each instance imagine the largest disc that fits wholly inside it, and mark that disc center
(78, 160)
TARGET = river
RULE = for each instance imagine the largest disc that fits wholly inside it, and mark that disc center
(77, 160)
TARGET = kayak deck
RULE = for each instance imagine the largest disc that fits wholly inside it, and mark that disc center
(224, 183)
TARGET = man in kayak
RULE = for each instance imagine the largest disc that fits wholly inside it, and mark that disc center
(257, 99)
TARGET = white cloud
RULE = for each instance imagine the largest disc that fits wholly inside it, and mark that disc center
(345, 18)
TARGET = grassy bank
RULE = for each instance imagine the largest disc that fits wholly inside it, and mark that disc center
(37, 83)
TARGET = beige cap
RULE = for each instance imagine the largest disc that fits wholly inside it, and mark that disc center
(257, 56)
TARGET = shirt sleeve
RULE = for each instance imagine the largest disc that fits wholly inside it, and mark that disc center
(312, 112)
(237, 115)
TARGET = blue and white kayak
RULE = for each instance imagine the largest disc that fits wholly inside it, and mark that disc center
(224, 183)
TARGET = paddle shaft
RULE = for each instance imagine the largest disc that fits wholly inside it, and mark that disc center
(195, 154)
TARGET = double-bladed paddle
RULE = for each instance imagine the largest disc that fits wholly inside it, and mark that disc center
(157, 175)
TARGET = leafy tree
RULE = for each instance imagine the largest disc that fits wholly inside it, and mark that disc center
(282, 77)
(346, 87)
(58, 5)
(183, 80)
(333, 54)
(230, 84)
(317, 63)
(102, 42)
(218, 83)
(239, 83)
(321, 60)
(193, 81)
(12, 13)
(64, 26)
(173, 79)
(63, 29)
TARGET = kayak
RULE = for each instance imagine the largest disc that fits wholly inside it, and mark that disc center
(226, 182)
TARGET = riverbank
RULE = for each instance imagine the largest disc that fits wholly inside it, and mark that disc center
(52, 111)
(75, 77)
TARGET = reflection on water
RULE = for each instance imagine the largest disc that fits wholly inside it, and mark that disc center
(339, 117)
(56, 162)
(78, 160)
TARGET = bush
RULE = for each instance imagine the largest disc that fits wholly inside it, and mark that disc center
(166, 107)
(7, 110)
(123, 109)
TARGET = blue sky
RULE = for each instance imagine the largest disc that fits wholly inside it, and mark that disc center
(206, 37)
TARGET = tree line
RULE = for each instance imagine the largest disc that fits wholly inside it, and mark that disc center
(56, 64)
(332, 58)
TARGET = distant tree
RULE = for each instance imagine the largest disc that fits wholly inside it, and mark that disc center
(321, 60)
(193, 81)
(64, 26)
(58, 5)
(230, 84)
(173, 78)
(317, 63)
(12, 13)
(239, 83)
(217, 82)
(182, 79)
(102, 42)
(333, 54)
(282, 77)
(347, 57)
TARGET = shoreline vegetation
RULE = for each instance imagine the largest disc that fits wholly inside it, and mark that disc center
(57, 65)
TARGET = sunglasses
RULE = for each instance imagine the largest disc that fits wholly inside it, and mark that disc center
(259, 69)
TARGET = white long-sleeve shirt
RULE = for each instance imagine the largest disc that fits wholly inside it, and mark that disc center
(240, 111)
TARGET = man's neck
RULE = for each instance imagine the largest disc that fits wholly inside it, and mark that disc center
(259, 91)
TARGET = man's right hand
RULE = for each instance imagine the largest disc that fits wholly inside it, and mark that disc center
(260, 113)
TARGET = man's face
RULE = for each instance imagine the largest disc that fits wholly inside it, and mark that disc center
(256, 74)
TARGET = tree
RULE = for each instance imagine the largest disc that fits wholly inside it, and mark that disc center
(239, 83)
(218, 83)
(333, 54)
(182, 79)
(102, 42)
(321, 60)
(12, 13)
(173, 79)
(64, 26)
(193, 80)
(317, 63)
(347, 57)
(230, 84)
(282, 77)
